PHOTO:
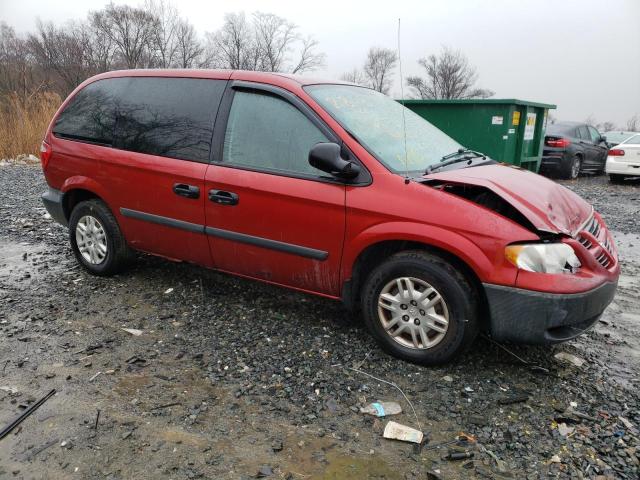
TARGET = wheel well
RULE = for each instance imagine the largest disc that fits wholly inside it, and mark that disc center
(73, 197)
(375, 254)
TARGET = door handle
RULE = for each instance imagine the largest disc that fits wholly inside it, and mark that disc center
(223, 198)
(187, 191)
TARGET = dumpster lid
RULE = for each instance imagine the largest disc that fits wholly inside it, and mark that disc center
(479, 101)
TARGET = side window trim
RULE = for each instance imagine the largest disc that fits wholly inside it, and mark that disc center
(224, 112)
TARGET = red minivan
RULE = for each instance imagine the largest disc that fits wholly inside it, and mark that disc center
(328, 188)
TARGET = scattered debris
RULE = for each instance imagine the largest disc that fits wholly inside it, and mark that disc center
(565, 430)
(165, 406)
(168, 291)
(95, 376)
(447, 378)
(569, 358)
(95, 425)
(133, 331)
(264, 471)
(382, 409)
(18, 420)
(454, 455)
(626, 423)
(513, 399)
(555, 459)
(9, 389)
(397, 431)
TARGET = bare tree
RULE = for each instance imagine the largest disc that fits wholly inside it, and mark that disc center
(591, 120)
(378, 68)
(132, 31)
(16, 72)
(308, 58)
(449, 76)
(265, 43)
(354, 76)
(165, 41)
(607, 126)
(189, 49)
(63, 52)
(233, 46)
(633, 124)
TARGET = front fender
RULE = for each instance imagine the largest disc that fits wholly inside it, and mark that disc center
(447, 240)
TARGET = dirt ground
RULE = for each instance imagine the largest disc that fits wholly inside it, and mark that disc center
(234, 379)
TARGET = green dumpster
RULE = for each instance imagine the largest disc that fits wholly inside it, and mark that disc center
(510, 131)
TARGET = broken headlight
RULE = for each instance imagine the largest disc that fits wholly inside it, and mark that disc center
(543, 257)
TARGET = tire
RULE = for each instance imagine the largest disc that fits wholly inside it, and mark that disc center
(102, 230)
(455, 292)
(617, 179)
(572, 170)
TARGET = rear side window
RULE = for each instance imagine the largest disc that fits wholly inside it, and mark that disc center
(89, 116)
(169, 117)
(595, 136)
(267, 133)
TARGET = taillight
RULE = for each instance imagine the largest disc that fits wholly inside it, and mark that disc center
(616, 152)
(557, 142)
(45, 154)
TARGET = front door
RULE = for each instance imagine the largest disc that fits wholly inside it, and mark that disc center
(269, 214)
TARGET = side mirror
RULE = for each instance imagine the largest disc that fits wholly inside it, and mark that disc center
(326, 157)
(603, 139)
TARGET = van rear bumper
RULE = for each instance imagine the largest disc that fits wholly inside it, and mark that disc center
(525, 316)
(52, 200)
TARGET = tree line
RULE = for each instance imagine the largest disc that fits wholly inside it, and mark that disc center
(56, 58)
(59, 57)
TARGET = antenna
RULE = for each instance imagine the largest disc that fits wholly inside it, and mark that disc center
(404, 121)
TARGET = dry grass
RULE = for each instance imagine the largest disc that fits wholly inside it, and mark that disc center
(24, 121)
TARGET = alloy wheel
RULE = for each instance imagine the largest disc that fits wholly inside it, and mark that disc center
(413, 313)
(91, 239)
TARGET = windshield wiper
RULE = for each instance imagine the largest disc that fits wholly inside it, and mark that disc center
(461, 155)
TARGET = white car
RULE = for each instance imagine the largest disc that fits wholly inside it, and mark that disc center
(623, 160)
(616, 137)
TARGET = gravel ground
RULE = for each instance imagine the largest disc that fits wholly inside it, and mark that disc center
(236, 379)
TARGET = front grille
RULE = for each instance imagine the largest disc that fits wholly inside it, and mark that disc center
(597, 240)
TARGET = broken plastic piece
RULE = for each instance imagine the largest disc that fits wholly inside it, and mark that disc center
(397, 431)
(382, 409)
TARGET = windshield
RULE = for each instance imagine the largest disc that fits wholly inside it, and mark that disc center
(375, 120)
(633, 140)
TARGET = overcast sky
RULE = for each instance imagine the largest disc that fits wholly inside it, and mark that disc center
(583, 55)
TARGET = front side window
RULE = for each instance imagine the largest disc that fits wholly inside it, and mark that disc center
(169, 117)
(89, 115)
(267, 133)
(384, 127)
(595, 136)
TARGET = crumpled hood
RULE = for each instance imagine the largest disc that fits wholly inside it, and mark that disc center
(548, 206)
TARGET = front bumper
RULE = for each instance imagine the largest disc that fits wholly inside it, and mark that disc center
(52, 200)
(526, 316)
(622, 167)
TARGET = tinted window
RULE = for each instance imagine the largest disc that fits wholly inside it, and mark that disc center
(89, 116)
(562, 129)
(583, 132)
(170, 117)
(595, 136)
(268, 133)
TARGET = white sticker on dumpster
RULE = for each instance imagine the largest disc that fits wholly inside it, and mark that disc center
(530, 127)
(496, 120)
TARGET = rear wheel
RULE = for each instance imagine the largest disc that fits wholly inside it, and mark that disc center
(613, 178)
(420, 308)
(572, 169)
(96, 239)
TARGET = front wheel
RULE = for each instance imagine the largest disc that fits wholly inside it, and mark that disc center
(420, 308)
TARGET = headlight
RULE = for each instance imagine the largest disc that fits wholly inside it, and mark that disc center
(543, 257)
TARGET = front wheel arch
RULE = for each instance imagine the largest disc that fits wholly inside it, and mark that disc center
(377, 253)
